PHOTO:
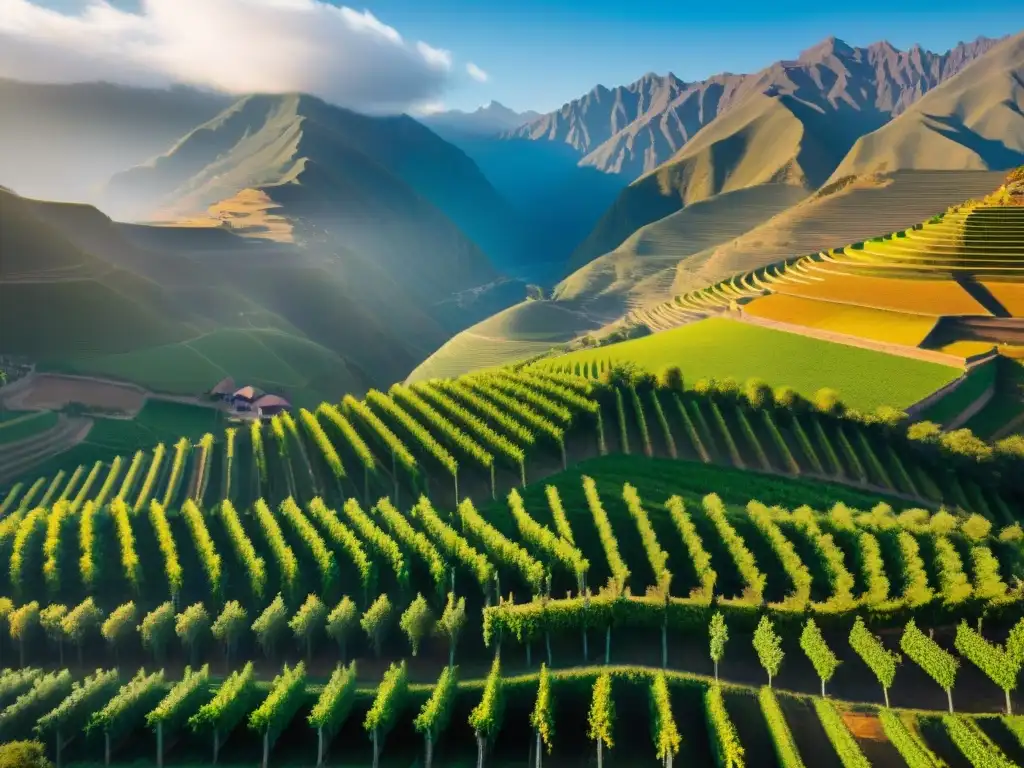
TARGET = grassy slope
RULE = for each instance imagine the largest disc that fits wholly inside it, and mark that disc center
(720, 348)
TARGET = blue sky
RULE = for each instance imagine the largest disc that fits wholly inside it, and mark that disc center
(541, 53)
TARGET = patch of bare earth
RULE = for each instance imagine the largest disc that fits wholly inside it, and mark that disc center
(53, 392)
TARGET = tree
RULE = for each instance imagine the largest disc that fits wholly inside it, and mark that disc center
(543, 716)
(50, 618)
(758, 394)
(789, 399)
(1015, 643)
(938, 663)
(486, 717)
(719, 635)
(417, 621)
(22, 624)
(375, 622)
(999, 665)
(24, 754)
(119, 627)
(976, 527)
(270, 625)
(769, 648)
(308, 622)
(192, 626)
(671, 378)
(601, 718)
(879, 659)
(433, 718)
(817, 650)
(826, 401)
(80, 622)
(230, 626)
(387, 706)
(453, 619)
(663, 725)
(341, 622)
(157, 629)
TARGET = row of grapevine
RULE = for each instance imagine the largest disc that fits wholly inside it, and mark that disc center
(287, 563)
(414, 541)
(169, 550)
(203, 543)
(753, 578)
(254, 566)
(541, 538)
(417, 431)
(656, 556)
(540, 422)
(505, 552)
(454, 546)
(619, 580)
(792, 564)
(378, 540)
(323, 443)
(149, 482)
(314, 543)
(699, 556)
(343, 537)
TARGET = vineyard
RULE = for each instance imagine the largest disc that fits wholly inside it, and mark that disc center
(409, 529)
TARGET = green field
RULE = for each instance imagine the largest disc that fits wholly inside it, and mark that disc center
(952, 405)
(17, 426)
(719, 348)
(297, 368)
(1006, 405)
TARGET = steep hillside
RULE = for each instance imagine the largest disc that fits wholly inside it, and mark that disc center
(793, 122)
(632, 129)
(64, 141)
(973, 121)
(303, 154)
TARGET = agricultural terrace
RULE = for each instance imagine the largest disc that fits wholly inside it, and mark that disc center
(311, 586)
(879, 325)
(720, 348)
(21, 425)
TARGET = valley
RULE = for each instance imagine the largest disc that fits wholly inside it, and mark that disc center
(682, 423)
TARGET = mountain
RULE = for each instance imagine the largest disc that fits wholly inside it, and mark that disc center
(632, 129)
(791, 123)
(64, 141)
(974, 121)
(494, 118)
(387, 187)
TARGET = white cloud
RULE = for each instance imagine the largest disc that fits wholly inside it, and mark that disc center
(239, 46)
(476, 73)
(428, 108)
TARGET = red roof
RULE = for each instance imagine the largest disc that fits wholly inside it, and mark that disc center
(248, 393)
(272, 401)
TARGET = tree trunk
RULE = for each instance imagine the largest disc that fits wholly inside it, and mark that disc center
(1009, 706)
(319, 747)
(266, 748)
(716, 669)
(479, 750)
(529, 654)
(160, 745)
(886, 692)
(949, 696)
(769, 679)
(586, 653)
(600, 753)
(106, 749)
(430, 751)
(547, 642)
(664, 645)
(216, 745)
(823, 687)
(608, 646)
(539, 750)
(59, 746)
(376, 749)
(451, 653)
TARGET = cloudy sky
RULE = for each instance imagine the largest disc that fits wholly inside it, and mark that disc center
(422, 55)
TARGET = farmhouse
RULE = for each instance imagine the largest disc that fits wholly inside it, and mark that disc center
(249, 399)
(270, 405)
(224, 390)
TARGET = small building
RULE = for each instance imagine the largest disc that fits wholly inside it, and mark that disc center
(244, 398)
(270, 405)
(224, 390)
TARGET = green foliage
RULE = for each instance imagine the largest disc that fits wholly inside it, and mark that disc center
(230, 626)
(908, 743)
(486, 717)
(229, 705)
(939, 664)
(504, 551)
(792, 564)
(667, 740)
(413, 540)
(287, 563)
(974, 744)
(452, 620)
(376, 620)
(416, 622)
(718, 633)
(389, 702)
(768, 645)
(192, 627)
(174, 709)
(254, 566)
(335, 703)
(879, 659)
(286, 697)
(725, 739)
(341, 622)
(699, 557)
(782, 738)
(755, 580)
(130, 704)
(454, 546)
(119, 624)
(434, 716)
(620, 573)
(537, 536)
(24, 754)
(33, 705)
(308, 622)
(542, 718)
(998, 664)
(601, 717)
(81, 621)
(314, 543)
(844, 743)
(379, 541)
(271, 625)
(817, 650)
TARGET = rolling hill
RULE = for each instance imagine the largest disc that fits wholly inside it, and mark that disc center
(493, 118)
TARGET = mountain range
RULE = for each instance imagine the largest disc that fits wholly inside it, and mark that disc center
(367, 242)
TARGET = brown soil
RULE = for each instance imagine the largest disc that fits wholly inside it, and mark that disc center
(864, 726)
(52, 391)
